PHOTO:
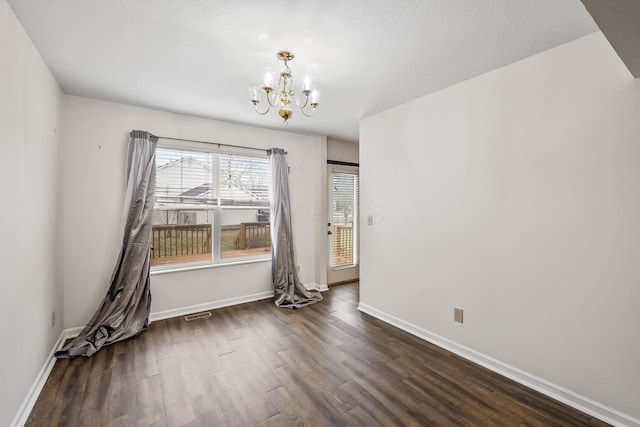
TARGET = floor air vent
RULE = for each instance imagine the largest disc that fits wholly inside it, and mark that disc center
(197, 316)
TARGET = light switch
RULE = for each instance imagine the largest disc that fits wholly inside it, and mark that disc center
(370, 220)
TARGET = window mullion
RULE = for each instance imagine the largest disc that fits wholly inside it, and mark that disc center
(217, 223)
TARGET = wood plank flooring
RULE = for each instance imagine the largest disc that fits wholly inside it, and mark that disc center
(254, 364)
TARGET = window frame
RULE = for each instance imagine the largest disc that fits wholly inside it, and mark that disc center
(216, 209)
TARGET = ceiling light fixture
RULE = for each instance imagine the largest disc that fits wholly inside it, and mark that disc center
(284, 94)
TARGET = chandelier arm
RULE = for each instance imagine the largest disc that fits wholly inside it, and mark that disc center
(273, 99)
(308, 115)
(255, 106)
(297, 99)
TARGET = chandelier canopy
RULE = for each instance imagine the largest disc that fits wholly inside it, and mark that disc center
(282, 96)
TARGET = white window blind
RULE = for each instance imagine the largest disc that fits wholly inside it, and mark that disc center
(185, 177)
(344, 219)
(188, 177)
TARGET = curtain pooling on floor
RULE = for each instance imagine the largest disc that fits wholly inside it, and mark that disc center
(124, 311)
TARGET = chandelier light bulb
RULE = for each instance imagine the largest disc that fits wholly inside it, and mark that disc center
(314, 97)
(253, 93)
(306, 86)
(267, 80)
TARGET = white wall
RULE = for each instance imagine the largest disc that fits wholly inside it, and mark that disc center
(516, 196)
(30, 102)
(96, 137)
(342, 151)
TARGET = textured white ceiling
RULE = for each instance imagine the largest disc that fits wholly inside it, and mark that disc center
(197, 56)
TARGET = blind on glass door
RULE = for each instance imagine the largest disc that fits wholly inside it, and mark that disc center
(344, 218)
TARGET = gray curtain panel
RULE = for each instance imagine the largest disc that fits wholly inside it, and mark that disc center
(124, 311)
(289, 292)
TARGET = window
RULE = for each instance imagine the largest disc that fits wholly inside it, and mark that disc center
(344, 219)
(210, 205)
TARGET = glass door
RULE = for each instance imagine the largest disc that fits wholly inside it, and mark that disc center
(343, 217)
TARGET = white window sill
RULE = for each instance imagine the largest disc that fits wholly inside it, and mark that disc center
(175, 268)
(344, 267)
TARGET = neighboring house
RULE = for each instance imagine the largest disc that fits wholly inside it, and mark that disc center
(198, 190)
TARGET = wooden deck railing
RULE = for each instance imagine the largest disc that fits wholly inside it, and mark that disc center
(179, 243)
(342, 245)
(192, 242)
(170, 241)
(254, 235)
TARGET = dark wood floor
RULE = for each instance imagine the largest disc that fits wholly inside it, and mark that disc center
(255, 364)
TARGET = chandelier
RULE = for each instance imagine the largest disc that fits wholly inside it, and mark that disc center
(282, 96)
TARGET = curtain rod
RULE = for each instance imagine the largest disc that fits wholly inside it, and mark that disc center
(206, 142)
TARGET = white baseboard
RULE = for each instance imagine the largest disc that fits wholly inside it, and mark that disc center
(223, 303)
(183, 311)
(568, 397)
(30, 400)
(317, 287)
(71, 333)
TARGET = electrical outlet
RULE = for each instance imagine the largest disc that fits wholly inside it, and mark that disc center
(298, 268)
(458, 315)
(370, 220)
(53, 319)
